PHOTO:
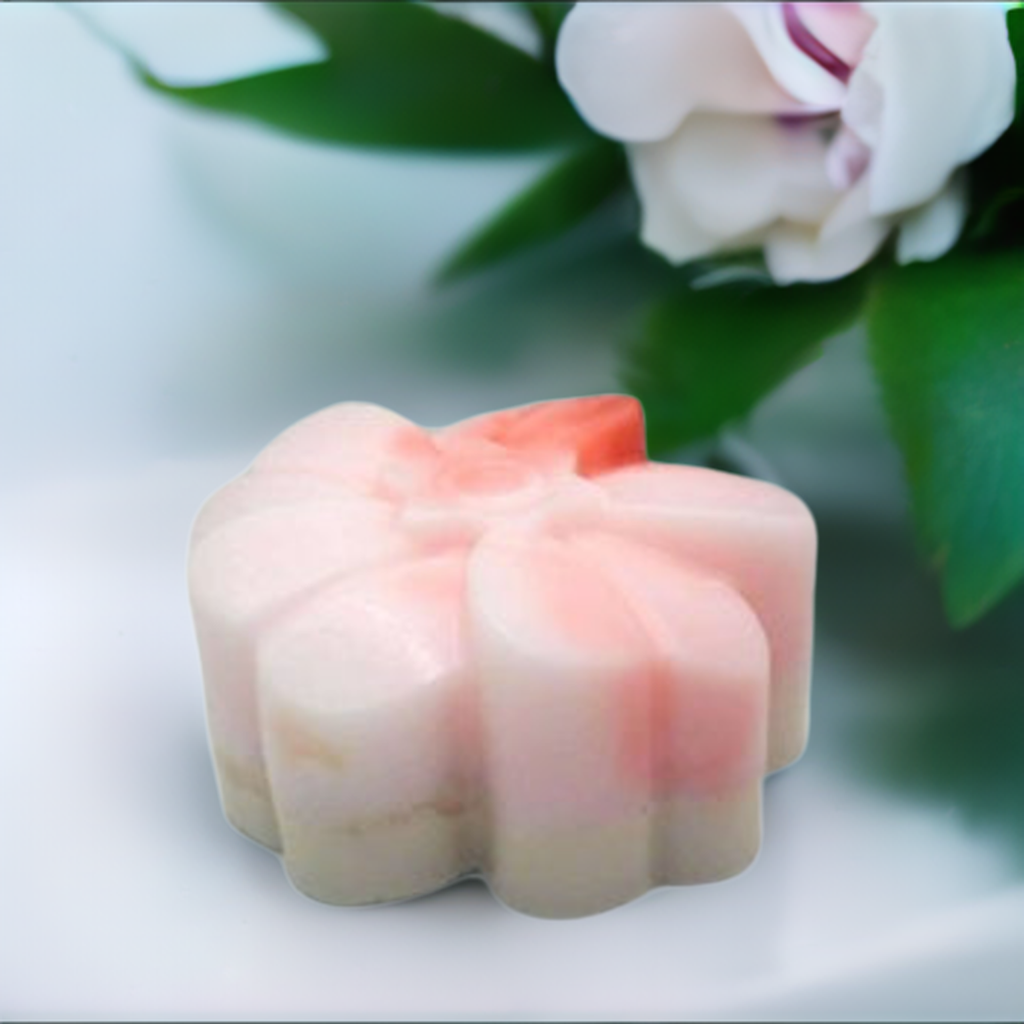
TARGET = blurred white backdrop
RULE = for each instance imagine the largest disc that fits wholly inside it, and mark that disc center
(163, 271)
(174, 290)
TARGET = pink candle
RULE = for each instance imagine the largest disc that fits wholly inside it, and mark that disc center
(512, 646)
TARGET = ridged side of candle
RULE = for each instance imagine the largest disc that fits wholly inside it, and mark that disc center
(512, 647)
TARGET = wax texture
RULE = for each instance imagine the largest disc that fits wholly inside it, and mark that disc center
(512, 647)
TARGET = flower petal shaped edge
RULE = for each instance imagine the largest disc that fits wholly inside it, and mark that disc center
(511, 646)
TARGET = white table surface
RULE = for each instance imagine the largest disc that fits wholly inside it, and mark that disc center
(172, 293)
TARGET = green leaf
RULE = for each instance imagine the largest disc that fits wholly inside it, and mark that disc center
(1015, 31)
(998, 219)
(402, 75)
(948, 348)
(708, 356)
(557, 201)
(549, 16)
(997, 176)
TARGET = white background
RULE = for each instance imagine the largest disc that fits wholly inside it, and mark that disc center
(174, 290)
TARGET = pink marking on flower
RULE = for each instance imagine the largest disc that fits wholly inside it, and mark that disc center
(805, 40)
(845, 28)
(847, 159)
(814, 120)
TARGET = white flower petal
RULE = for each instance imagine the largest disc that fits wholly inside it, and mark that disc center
(797, 254)
(191, 44)
(852, 209)
(847, 240)
(722, 179)
(948, 75)
(933, 229)
(666, 225)
(801, 76)
(635, 70)
(848, 158)
(862, 111)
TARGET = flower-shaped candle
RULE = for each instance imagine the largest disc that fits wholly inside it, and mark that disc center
(512, 646)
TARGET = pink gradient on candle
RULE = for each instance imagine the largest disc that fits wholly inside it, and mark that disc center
(599, 433)
(518, 613)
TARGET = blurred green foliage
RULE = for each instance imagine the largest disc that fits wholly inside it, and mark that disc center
(707, 356)
(548, 15)
(559, 200)
(947, 337)
(936, 713)
(997, 176)
(948, 348)
(402, 75)
(948, 351)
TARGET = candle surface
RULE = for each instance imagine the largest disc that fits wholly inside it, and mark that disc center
(512, 647)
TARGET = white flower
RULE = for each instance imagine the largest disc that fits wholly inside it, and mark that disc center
(810, 129)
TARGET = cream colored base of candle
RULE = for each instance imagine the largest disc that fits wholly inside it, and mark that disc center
(553, 872)
(572, 872)
(789, 720)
